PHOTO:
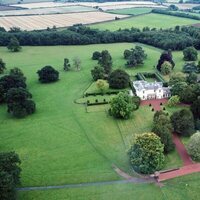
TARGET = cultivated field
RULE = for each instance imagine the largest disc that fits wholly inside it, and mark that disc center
(150, 20)
(131, 11)
(37, 22)
(53, 10)
(60, 144)
(107, 5)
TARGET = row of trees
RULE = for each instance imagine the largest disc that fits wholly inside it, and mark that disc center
(177, 38)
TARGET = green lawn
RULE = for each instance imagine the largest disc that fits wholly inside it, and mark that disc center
(183, 188)
(131, 11)
(150, 20)
(61, 143)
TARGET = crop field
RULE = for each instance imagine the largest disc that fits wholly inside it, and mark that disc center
(37, 22)
(53, 10)
(106, 5)
(131, 11)
(150, 20)
(24, 1)
(60, 143)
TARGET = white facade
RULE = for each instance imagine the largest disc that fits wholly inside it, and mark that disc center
(154, 90)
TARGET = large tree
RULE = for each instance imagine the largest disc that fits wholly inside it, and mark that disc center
(165, 56)
(118, 79)
(10, 81)
(166, 68)
(193, 146)
(2, 66)
(48, 74)
(135, 57)
(163, 128)
(14, 45)
(98, 73)
(146, 154)
(96, 55)
(19, 102)
(195, 108)
(178, 88)
(190, 54)
(121, 106)
(187, 95)
(102, 85)
(183, 122)
(177, 77)
(66, 65)
(105, 61)
(17, 72)
(9, 175)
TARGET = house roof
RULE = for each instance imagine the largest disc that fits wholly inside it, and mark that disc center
(144, 85)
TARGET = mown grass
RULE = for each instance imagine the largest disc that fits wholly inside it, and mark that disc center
(150, 20)
(61, 143)
(131, 11)
(182, 188)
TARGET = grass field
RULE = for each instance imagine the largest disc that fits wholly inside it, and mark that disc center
(183, 188)
(131, 11)
(150, 20)
(61, 143)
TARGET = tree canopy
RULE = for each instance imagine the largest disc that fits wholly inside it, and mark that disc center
(118, 79)
(2, 66)
(193, 146)
(105, 61)
(190, 54)
(165, 56)
(121, 106)
(135, 56)
(14, 45)
(146, 154)
(9, 175)
(48, 74)
(183, 122)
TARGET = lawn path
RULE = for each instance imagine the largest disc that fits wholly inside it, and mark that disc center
(132, 180)
(182, 151)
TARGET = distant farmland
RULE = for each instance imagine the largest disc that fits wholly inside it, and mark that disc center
(150, 20)
(38, 22)
(51, 10)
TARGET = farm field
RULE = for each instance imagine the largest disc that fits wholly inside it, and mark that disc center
(38, 22)
(24, 1)
(59, 146)
(42, 11)
(150, 20)
(184, 188)
(91, 4)
(131, 11)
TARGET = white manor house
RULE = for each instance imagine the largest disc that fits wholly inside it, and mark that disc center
(151, 90)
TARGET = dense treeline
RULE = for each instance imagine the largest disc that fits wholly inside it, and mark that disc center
(177, 14)
(177, 38)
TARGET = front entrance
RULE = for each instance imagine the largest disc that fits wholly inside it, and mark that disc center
(152, 96)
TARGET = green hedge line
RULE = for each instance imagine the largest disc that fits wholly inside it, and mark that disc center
(177, 14)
